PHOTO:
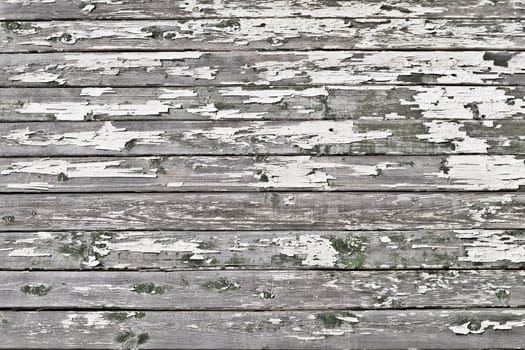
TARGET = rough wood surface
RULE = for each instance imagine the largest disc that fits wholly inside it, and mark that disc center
(331, 329)
(222, 174)
(331, 137)
(263, 211)
(262, 33)
(192, 250)
(259, 173)
(261, 103)
(264, 290)
(195, 68)
(77, 9)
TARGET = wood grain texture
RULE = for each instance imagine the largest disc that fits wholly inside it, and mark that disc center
(196, 250)
(262, 34)
(195, 68)
(333, 329)
(329, 137)
(263, 103)
(264, 290)
(263, 211)
(260, 173)
(78, 9)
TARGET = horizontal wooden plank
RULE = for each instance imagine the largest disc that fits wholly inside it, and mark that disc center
(252, 103)
(331, 329)
(330, 137)
(276, 173)
(190, 68)
(262, 290)
(263, 211)
(169, 250)
(78, 9)
(261, 33)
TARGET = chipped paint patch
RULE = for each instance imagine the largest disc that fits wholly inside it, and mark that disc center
(306, 135)
(78, 111)
(492, 246)
(449, 132)
(102, 169)
(107, 138)
(96, 92)
(312, 250)
(473, 172)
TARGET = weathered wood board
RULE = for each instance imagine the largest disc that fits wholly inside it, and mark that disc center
(263, 211)
(221, 174)
(263, 103)
(263, 173)
(331, 329)
(330, 137)
(200, 68)
(260, 250)
(145, 9)
(262, 34)
(265, 290)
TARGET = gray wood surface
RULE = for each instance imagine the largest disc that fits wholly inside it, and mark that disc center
(75, 9)
(330, 137)
(331, 329)
(264, 290)
(262, 34)
(201, 68)
(263, 103)
(263, 173)
(263, 211)
(261, 250)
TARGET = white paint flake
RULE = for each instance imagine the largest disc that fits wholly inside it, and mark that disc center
(467, 328)
(107, 137)
(451, 102)
(306, 134)
(78, 111)
(149, 245)
(95, 92)
(38, 77)
(313, 250)
(444, 131)
(476, 172)
(269, 96)
(492, 246)
(101, 169)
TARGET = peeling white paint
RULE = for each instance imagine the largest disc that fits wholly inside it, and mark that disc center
(107, 137)
(464, 329)
(96, 92)
(305, 134)
(102, 169)
(444, 131)
(474, 172)
(313, 250)
(492, 246)
(270, 96)
(451, 102)
(78, 111)
(26, 252)
(149, 245)
(39, 76)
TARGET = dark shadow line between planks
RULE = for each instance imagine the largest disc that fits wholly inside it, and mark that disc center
(262, 190)
(222, 231)
(291, 191)
(88, 18)
(254, 86)
(240, 268)
(371, 49)
(162, 154)
(254, 310)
